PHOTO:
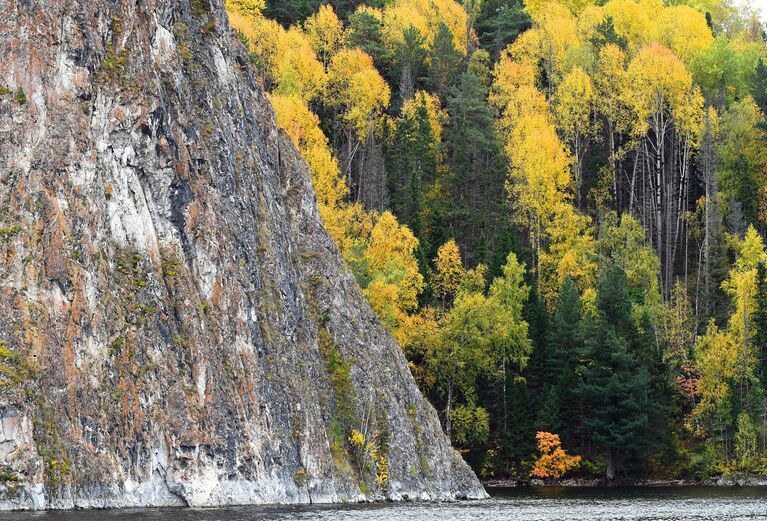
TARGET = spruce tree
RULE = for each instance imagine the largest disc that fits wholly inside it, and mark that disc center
(411, 164)
(613, 384)
(499, 23)
(759, 319)
(759, 87)
(562, 351)
(409, 63)
(475, 167)
(445, 61)
(364, 32)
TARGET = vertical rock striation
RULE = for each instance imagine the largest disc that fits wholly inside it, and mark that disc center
(177, 327)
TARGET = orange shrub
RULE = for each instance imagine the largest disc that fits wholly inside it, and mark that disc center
(553, 462)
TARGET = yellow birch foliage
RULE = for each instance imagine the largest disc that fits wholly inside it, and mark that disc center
(741, 285)
(246, 7)
(392, 268)
(325, 33)
(423, 15)
(303, 127)
(540, 169)
(539, 180)
(547, 44)
(571, 254)
(727, 356)
(356, 87)
(285, 57)
(683, 30)
(587, 22)
(431, 102)
(379, 250)
(265, 38)
(633, 20)
(658, 83)
(535, 7)
(611, 82)
(716, 358)
(514, 93)
(573, 105)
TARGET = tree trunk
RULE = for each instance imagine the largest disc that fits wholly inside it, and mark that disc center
(610, 464)
(504, 394)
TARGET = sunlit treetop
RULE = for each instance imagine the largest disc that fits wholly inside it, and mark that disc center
(246, 7)
(632, 20)
(588, 22)
(548, 44)
(658, 82)
(683, 30)
(536, 7)
(355, 85)
(573, 104)
(325, 33)
(284, 57)
(424, 16)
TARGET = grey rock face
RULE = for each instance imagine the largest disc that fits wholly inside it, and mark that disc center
(177, 325)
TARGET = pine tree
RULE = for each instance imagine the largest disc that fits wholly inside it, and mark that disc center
(549, 418)
(759, 87)
(562, 338)
(409, 63)
(605, 34)
(499, 23)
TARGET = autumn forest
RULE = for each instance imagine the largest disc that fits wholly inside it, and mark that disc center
(557, 207)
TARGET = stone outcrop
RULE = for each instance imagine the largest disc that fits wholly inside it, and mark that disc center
(177, 326)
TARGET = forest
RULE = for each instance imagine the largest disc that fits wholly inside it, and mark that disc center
(559, 210)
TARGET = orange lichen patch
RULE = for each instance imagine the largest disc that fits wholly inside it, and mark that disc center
(195, 214)
(181, 167)
(216, 297)
(162, 144)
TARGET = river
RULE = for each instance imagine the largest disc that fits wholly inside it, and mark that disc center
(530, 504)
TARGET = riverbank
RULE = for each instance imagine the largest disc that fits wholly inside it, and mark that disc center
(741, 480)
(530, 504)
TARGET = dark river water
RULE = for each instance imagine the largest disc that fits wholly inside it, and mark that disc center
(538, 504)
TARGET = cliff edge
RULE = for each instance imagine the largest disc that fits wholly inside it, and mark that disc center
(176, 326)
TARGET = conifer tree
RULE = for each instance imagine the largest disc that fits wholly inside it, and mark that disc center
(613, 385)
(474, 165)
(445, 61)
(562, 350)
(760, 322)
(411, 163)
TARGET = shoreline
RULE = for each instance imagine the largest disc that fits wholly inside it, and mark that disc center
(719, 481)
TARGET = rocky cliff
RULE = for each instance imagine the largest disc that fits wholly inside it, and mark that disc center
(176, 326)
